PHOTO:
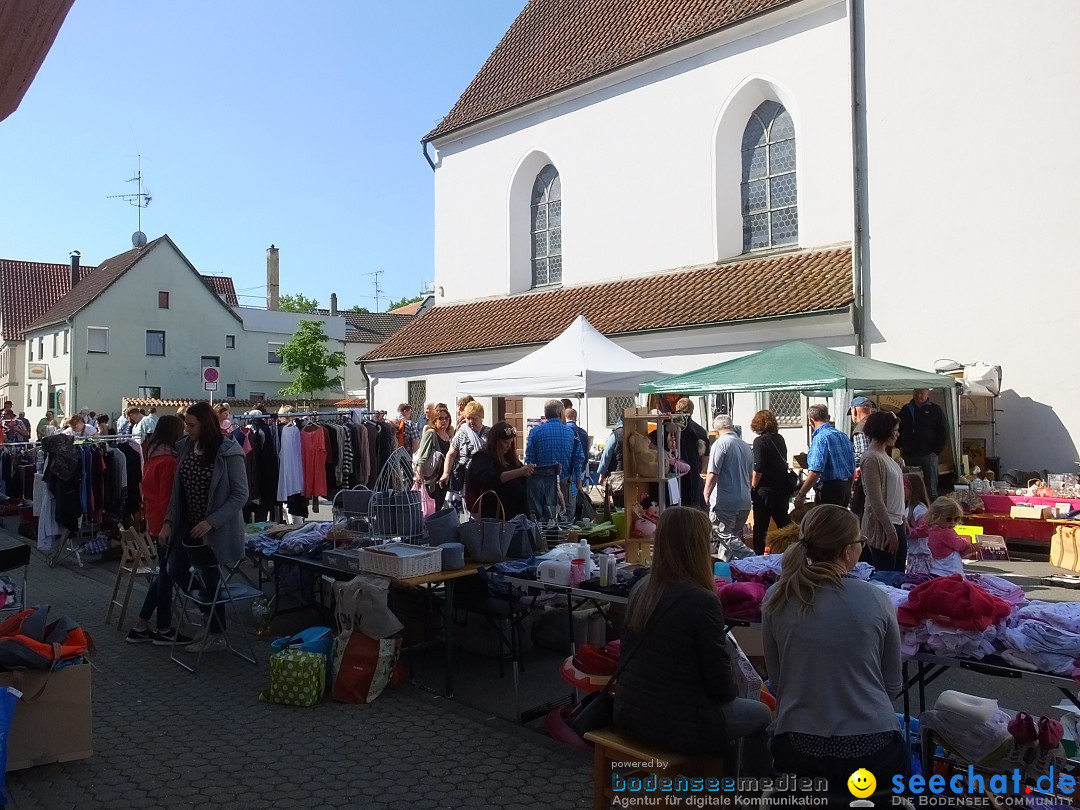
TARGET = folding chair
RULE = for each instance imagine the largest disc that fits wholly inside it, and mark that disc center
(138, 559)
(226, 595)
(10, 559)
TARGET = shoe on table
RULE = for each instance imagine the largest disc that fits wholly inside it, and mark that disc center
(213, 642)
(166, 638)
(139, 636)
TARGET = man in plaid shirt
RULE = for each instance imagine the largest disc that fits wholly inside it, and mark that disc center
(411, 429)
(552, 442)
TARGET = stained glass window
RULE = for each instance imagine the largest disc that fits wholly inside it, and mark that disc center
(769, 197)
(547, 228)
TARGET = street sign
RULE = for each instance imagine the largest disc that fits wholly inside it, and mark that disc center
(210, 374)
(209, 386)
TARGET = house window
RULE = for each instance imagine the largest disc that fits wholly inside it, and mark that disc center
(211, 361)
(29, 396)
(149, 392)
(97, 340)
(55, 346)
(30, 350)
(230, 341)
(616, 406)
(272, 355)
(256, 396)
(786, 406)
(769, 202)
(40, 394)
(230, 390)
(65, 341)
(163, 300)
(41, 347)
(155, 342)
(722, 404)
(547, 228)
(417, 396)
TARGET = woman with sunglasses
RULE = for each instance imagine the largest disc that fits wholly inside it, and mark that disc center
(832, 649)
(497, 468)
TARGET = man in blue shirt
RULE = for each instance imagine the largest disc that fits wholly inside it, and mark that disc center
(831, 459)
(552, 442)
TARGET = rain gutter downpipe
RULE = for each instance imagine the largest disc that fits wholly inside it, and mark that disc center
(367, 379)
(858, 171)
(427, 157)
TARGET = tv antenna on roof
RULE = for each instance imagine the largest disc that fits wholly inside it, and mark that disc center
(140, 199)
(378, 290)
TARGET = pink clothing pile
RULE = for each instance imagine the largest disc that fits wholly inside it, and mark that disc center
(741, 600)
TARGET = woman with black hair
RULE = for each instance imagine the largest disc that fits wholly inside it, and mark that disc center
(209, 493)
(497, 468)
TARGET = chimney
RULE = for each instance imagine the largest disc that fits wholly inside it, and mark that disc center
(333, 303)
(74, 268)
(273, 277)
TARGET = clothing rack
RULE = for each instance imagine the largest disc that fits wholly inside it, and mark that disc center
(292, 415)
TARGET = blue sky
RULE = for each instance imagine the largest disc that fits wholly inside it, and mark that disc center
(297, 124)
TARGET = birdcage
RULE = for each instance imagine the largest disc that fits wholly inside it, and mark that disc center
(395, 511)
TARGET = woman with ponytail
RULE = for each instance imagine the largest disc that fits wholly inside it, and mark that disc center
(832, 649)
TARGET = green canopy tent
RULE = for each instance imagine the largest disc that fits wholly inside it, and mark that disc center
(813, 371)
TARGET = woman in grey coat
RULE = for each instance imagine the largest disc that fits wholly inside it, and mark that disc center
(209, 493)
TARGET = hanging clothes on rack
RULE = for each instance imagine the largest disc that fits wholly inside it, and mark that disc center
(313, 459)
(291, 469)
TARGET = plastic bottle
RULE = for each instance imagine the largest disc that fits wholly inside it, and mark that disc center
(604, 570)
(583, 549)
(577, 573)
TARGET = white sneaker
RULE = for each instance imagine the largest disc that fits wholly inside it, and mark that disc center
(214, 642)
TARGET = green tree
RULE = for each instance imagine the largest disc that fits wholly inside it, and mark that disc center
(307, 356)
(358, 308)
(297, 303)
(404, 302)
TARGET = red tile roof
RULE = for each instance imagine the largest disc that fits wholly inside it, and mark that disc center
(554, 44)
(28, 290)
(103, 277)
(408, 309)
(749, 288)
(223, 288)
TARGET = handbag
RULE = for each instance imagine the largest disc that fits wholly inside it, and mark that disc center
(792, 476)
(486, 540)
(297, 678)
(525, 537)
(598, 709)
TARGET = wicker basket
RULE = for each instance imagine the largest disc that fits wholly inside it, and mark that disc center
(414, 561)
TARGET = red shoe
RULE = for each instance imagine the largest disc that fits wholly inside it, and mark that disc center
(1050, 733)
(1022, 728)
(1049, 755)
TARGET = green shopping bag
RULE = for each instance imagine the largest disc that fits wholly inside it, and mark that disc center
(296, 678)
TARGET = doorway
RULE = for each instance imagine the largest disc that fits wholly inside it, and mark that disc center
(512, 410)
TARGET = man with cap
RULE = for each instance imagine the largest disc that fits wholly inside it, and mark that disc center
(861, 407)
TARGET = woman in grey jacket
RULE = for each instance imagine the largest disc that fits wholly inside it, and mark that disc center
(209, 493)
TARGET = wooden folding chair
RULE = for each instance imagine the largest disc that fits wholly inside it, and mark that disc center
(139, 559)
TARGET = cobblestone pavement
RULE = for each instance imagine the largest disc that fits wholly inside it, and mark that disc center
(164, 738)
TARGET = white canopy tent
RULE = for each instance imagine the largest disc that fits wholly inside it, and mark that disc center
(580, 362)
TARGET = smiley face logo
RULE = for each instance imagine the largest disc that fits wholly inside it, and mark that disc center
(861, 783)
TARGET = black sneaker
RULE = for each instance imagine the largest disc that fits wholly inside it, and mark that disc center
(167, 637)
(139, 636)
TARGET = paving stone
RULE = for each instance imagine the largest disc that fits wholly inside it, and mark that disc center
(167, 739)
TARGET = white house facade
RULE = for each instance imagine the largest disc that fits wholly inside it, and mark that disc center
(734, 151)
(143, 325)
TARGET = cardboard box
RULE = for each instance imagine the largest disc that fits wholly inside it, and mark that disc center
(54, 724)
(1031, 511)
(342, 559)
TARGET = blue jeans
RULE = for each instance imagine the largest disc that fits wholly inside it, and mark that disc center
(929, 464)
(542, 492)
(159, 596)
